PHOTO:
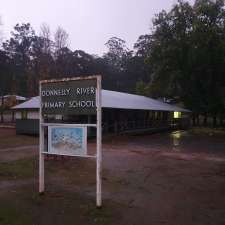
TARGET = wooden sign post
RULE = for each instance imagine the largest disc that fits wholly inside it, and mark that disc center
(66, 97)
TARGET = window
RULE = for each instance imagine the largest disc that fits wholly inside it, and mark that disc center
(177, 115)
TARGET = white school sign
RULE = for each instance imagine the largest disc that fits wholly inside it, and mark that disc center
(70, 96)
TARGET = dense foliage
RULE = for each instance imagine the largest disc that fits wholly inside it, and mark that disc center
(186, 52)
(183, 57)
(27, 58)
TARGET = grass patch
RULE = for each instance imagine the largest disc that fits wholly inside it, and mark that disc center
(12, 215)
(19, 169)
(100, 216)
(17, 140)
(208, 131)
(25, 207)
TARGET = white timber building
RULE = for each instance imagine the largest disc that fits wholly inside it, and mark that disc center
(122, 112)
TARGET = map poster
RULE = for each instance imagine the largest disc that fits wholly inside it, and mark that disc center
(70, 141)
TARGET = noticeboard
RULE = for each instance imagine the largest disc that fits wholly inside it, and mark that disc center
(72, 97)
(70, 141)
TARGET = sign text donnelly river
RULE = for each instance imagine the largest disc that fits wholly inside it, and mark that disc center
(69, 97)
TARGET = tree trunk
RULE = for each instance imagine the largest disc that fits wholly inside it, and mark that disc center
(221, 120)
(13, 116)
(197, 119)
(193, 120)
(2, 119)
(214, 120)
(205, 121)
(2, 107)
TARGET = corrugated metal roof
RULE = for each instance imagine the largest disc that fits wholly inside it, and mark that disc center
(119, 100)
(114, 99)
(33, 103)
(19, 98)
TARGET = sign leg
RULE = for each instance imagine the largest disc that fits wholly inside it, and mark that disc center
(99, 181)
(41, 173)
(41, 159)
(99, 147)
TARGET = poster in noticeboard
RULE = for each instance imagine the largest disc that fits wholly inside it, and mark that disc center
(70, 141)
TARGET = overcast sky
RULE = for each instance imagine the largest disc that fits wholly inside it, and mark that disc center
(89, 23)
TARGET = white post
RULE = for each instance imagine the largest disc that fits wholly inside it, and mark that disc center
(41, 148)
(99, 145)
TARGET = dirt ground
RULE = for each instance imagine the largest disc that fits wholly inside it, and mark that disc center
(175, 178)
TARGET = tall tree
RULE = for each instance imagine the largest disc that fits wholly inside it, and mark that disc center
(42, 53)
(186, 53)
(5, 74)
(45, 34)
(117, 58)
(19, 48)
(60, 40)
(117, 53)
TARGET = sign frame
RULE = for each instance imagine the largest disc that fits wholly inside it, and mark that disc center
(98, 126)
